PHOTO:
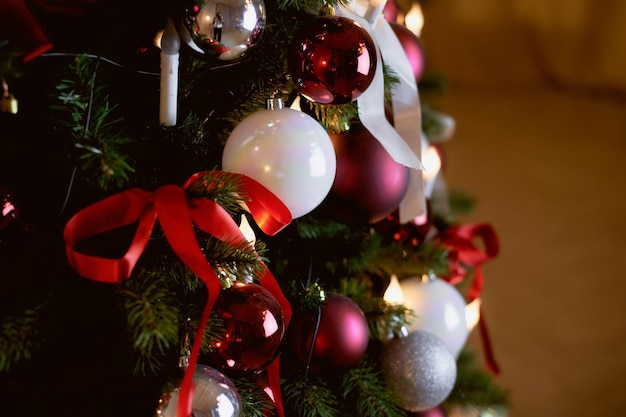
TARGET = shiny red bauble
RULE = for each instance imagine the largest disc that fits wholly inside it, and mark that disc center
(369, 185)
(332, 60)
(341, 339)
(253, 328)
(412, 47)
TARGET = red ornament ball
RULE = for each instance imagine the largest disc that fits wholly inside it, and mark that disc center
(341, 339)
(369, 185)
(332, 60)
(412, 48)
(254, 328)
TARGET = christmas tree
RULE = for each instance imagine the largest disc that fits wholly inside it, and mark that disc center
(230, 208)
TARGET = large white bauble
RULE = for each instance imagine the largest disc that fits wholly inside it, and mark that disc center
(288, 152)
(439, 308)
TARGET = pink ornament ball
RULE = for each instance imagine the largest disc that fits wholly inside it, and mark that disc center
(341, 340)
(369, 185)
(412, 48)
(390, 11)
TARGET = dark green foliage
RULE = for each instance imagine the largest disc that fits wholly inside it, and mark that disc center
(19, 337)
(311, 398)
(255, 401)
(362, 386)
(474, 386)
(97, 133)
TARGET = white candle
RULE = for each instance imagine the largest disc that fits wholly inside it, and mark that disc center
(170, 45)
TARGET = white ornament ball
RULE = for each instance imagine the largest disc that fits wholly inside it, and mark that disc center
(419, 369)
(439, 309)
(288, 152)
(214, 395)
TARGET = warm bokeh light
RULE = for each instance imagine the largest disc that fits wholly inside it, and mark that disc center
(414, 19)
(394, 294)
(472, 314)
(246, 230)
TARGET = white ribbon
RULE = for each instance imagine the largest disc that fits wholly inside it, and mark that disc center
(404, 142)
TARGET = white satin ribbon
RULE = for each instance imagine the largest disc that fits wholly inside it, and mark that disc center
(404, 141)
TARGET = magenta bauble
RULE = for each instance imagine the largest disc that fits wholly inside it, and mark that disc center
(253, 328)
(431, 412)
(412, 48)
(390, 11)
(369, 185)
(332, 60)
(341, 340)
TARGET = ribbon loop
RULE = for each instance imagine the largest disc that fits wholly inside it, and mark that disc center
(463, 251)
(177, 216)
(111, 213)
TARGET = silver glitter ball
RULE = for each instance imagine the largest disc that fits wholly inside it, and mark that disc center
(419, 369)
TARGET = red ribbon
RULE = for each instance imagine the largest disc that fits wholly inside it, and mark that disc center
(463, 251)
(18, 23)
(177, 215)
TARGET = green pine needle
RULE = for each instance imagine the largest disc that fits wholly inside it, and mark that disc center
(362, 387)
(19, 337)
(152, 320)
(97, 135)
(255, 401)
(311, 399)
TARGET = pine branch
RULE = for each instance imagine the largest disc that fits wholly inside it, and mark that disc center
(362, 386)
(153, 320)
(405, 260)
(383, 318)
(97, 137)
(225, 190)
(238, 262)
(474, 386)
(311, 399)
(19, 337)
(256, 402)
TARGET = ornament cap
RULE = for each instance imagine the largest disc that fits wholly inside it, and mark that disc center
(327, 10)
(274, 103)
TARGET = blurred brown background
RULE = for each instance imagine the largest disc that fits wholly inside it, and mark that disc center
(538, 91)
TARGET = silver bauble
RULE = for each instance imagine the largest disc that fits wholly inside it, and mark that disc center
(419, 369)
(222, 31)
(214, 395)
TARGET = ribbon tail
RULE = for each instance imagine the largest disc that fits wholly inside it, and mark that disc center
(490, 358)
(273, 379)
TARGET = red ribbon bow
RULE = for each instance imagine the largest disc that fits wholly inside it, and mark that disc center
(177, 215)
(463, 251)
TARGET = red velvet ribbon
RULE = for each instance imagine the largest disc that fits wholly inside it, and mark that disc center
(463, 251)
(177, 215)
(18, 23)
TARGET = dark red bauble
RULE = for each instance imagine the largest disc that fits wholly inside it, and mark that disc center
(332, 60)
(368, 185)
(254, 328)
(412, 48)
(342, 336)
